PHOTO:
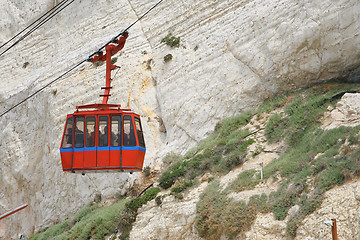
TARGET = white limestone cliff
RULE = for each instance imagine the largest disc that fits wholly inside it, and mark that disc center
(232, 56)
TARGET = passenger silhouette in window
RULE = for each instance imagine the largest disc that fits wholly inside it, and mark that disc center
(129, 135)
(104, 137)
(68, 142)
(79, 137)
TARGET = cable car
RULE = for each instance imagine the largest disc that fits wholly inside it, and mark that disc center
(103, 137)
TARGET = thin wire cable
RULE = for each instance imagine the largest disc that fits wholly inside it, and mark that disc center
(42, 88)
(126, 29)
(77, 65)
(37, 26)
(44, 21)
(59, 4)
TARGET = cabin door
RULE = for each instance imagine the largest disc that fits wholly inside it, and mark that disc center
(90, 149)
(78, 150)
(103, 149)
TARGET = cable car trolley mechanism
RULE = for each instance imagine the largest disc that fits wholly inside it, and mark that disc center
(103, 137)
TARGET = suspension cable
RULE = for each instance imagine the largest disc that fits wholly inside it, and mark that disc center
(46, 17)
(126, 29)
(42, 88)
(44, 21)
(61, 3)
(78, 64)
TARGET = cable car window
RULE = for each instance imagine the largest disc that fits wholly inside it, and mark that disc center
(103, 131)
(79, 132)
(90, 132)
(116, 131)
(129, 135)
(139, 132)
(67, 142)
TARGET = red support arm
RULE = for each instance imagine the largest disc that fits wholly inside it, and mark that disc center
(114, 49)
(111, 50)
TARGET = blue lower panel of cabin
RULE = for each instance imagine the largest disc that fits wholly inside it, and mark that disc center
(102, 158)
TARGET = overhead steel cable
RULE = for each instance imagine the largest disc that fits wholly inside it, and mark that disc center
(126, 29)
(46, 20)
(50, 14)
(43, 87)
(53, 8)
(78, 64)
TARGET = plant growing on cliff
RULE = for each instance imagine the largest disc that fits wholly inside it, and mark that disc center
(338, 159)
(218, 215)
(98, 222)
(91, 221)
(220, 153)
(129, 213)
(171, 41)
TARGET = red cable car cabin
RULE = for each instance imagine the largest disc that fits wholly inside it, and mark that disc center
(105, 138)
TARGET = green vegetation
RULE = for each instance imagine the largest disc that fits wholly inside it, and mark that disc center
(171, 41)
(98, 222)
(91, 221)
(220, 153)
(129, 213)
(246, 180)
(315, 160)
(147, 171)
(218, 215)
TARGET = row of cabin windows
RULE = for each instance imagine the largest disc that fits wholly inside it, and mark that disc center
(87, 137)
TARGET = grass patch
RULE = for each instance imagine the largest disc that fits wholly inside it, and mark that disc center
(51, 232)
(94, 222)
(90, 222)
(218, 154)
(171, 41)
(129, 213)
(217, 215)
(273, 103)
(246, 180)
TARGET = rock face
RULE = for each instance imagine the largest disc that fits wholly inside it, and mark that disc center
(340, 203)
(346, 112)
(232, 56)
(172, 219)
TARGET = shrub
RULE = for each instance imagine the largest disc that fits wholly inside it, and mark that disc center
(147, 171)
(90, 221)
(229, 125)
(168, 57)
(136, 203)
(51, 232)
(217, 215)
(128, 215)
(167, 178)
(273, 103)
(274, 128)
(244, 181)
(180, 187)
(171, 41)
(260, 203)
